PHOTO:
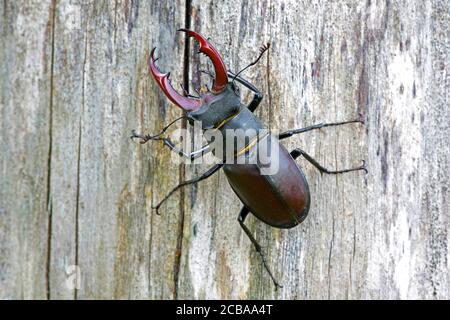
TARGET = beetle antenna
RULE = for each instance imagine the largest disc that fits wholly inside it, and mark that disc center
(262, 49)
(147, 137)
(207, 72)
(186, 93)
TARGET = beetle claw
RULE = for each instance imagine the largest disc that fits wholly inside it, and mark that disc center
(190, 103)
(163, 80)
(144, 137)
(221, 77)
(135, 135)
(156, 208)
(277, 285)
(363, 166)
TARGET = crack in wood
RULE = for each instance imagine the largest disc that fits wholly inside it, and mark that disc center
(49, 159)
(269, 91)
(329, 258)
(182, 169)
(77, 201)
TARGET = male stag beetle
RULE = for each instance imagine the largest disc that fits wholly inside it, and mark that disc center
(280, 199)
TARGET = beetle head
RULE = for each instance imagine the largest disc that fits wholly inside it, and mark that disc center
(223, 94)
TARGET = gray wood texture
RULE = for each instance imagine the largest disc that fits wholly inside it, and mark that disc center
(76, 191)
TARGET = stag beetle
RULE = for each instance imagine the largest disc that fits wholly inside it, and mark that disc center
(282, 199)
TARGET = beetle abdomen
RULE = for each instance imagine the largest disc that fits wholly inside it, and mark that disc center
(280, 199)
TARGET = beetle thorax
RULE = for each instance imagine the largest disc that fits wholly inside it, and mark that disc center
(217, 107)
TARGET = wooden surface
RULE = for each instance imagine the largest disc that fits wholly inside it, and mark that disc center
(76, 191)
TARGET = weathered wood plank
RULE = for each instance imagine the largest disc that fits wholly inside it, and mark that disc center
(72, 182)
(25, 78)
(67, 100)
(101, 185)
(367, 236)
(125, 251)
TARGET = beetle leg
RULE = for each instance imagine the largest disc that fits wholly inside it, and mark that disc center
(299, 152)
(241, 218)
(167, 142)
(193, 155)
(147, 137)
(204, 176)
(258, 94)
(290, 133)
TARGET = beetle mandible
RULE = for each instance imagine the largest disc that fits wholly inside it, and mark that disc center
(281, 199)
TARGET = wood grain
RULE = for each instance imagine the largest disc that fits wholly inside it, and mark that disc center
(25, 135)
(76, 191)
